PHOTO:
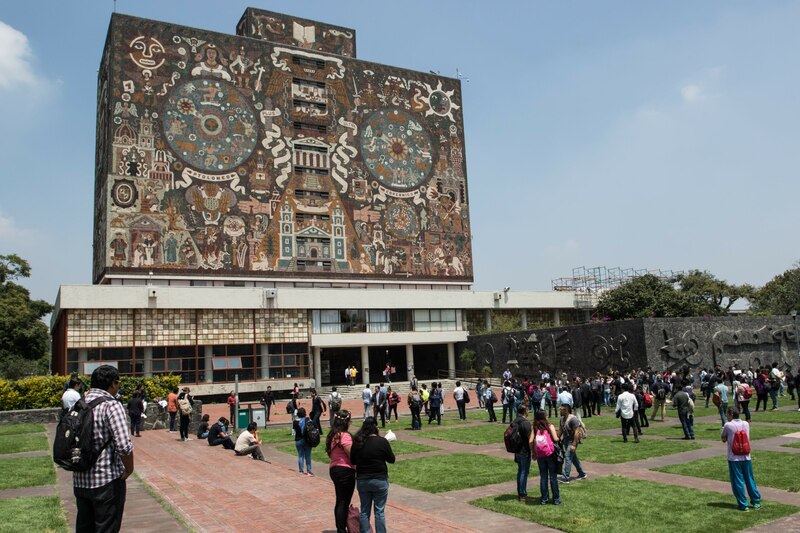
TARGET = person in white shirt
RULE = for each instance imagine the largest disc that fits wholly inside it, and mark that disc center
(627, 407)
(366, 397)
(71, 395)
(249, 444)
(458, 395)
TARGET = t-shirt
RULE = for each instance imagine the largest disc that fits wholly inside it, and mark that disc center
(69, 398)
(681, 402)
(371, 459)
(568, 427)
(723, 392)
(366, 395)
(524, 432)
(338, 455)
(172, 402)
(728, 431)
(202, 429)
(214, 432)
(317, 405)
(245, 439)
(458, 393)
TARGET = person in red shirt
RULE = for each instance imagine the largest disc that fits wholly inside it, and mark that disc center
(232, 405)
(172, 408)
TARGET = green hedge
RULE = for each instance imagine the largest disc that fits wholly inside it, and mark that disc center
(41, 392)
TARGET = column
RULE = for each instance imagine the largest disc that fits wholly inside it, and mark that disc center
(487, 314)
(147, 361)
(317, 370)
(208, 356)
(365, 364)
(451, 359)
(264, 355)
(523, 318)
(410, 360)
(556, 317)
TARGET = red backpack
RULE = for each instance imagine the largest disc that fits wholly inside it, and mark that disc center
(741, 443)
(648, 400)
(747, 392)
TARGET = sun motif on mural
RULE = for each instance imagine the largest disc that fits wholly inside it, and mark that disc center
(440, 102)
(402, 220)
(210, 125)
(396, 149)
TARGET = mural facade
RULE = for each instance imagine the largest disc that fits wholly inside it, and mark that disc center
(282, 156)
(658, 343)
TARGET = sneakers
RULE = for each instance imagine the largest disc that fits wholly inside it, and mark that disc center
(564, 480)
(189, 438)
(756, 506)
(543, 502)
(583, 476)
(556, 502)
(744, 509)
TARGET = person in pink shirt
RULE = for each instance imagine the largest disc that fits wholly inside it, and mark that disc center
(342, 471)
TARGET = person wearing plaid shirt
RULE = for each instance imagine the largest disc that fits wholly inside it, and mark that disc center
(100, 491)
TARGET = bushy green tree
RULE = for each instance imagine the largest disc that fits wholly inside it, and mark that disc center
(24, 338)
(780, 295)
(711, 295)
(646, 297)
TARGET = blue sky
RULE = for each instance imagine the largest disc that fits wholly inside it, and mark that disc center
(630, 134)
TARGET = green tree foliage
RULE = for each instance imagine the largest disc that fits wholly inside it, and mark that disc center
(712, 296)
(780, 295)
(646, 297)
(24, 338)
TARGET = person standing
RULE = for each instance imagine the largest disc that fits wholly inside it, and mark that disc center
(232, 405)
(587, 398)
(776, 382)
(334, 404)
(393, 399)
(318, 408)
(338, 446)
(379, 404)
(742, 394)
(489, 399)
(100, 491)
(479, 394)
(268, 400)
(658, 393)
(135, 410)
(415, 405)
(71, 395)
(627, 407)
(682, 402)
(722, 389)
(570, 438)
(508, 399)
(353, 374)
(303, 449)
(172, 408)
(185, 402)
(434, 404)
(736, 433)
(523, 456)
(370, 453)
(458, 396)
(544, 442)
(366, 397)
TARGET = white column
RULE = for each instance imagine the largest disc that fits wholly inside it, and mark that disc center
(147, 361)
(556, 317)
(365, 364)
(488, 319)
(410, 360)
(208, 355)
(523, 317)
(317, 370)
(264, 351)
(451, 359)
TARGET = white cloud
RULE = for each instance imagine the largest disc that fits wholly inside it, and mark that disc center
(13, 235)
(702, 88)
(15, 60)
(692, 92)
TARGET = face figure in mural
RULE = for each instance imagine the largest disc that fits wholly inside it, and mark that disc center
(147, 53)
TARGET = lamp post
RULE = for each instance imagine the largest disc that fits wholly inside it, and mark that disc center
(796, 338)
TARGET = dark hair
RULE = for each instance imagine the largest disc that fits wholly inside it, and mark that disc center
(135, 394)
(104, 376)
(540, 421)
(522, 410)
(458, 383)
(175, 390)
(301, 412)
(206, 417)
(252, 426)
(734, 412)
(313, 391)
(368, 428)
(341, 423)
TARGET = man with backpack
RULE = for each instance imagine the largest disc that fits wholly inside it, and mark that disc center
(736, 434)
(100, 490)
(334, 403)
(571, 430)
(415, 404)
(509, 399)
(659, 397)
(522, 455)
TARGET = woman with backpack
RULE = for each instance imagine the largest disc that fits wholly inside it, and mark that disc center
(761, 391)
(342, 471)
(185, 405)
(370, 453)
(545, 440)
(303, 449)
(742, 394)
(435, 403)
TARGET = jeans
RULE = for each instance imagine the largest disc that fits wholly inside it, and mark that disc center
(184, 426)
(393, 408)
(773, 394)
(373, 492)
(571, 458)
(551, 406)
(303, 455)
(344, 483)
(136, 424)
(490, 410)
(741, 474)
(315, 420)
(100, 509)
(606, 397)
(627, 424)
(744, 407)
(367, 410)
(172, 420)
(226, 442)
(687, 423)
(508, 408)
(523, 469)
(723, 409)
(416, 422)
(643, 422)
(462, 409)
(548, 471)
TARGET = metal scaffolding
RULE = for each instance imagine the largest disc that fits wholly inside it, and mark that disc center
(589, 283)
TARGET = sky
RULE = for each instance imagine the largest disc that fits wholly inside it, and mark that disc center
(621, 134)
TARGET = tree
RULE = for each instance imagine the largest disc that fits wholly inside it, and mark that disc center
(780, 295)
(24, 338)
(647, 297)
(713, 296)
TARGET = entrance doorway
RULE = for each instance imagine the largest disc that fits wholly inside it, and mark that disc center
(429, 359)
(337, 359)
(394, 355)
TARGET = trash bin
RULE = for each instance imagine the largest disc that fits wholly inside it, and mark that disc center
(242, 418)
(259, 416)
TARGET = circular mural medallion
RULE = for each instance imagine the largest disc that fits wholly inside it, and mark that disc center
(396, 149)
(210, 125)
(401, 220)
(440, 102)
(124, 193)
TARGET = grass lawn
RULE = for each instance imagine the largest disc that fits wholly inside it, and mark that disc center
(18, 429)
(611, 450)
(705, 430)
(771, 469)
(785, 417)
(32, 514)
(27, 442)
(26, 472)
(456, 471)
(475, 434)
(792, 445)
(595, 506)
(399, 447)
(607, 421)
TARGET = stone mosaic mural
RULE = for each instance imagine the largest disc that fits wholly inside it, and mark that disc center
(271, 157)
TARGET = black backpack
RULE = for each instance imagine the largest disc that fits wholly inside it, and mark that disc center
(72, 445)
(311, 434)
(512, 437)
(661, 393)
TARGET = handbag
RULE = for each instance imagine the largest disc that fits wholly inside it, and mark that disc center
(559, 452)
